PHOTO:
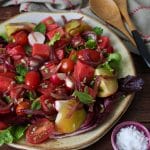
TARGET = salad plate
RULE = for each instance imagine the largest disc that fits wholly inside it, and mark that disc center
(127, 68)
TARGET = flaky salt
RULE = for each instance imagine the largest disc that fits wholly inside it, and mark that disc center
(129, 138)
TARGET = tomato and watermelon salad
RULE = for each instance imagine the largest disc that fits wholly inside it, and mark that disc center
(57, 81)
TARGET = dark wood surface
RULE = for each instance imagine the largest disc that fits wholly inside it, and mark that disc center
(139, 110)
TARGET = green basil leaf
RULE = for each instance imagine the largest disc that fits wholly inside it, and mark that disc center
(36, 105)
(84, 97)
(98, 30)
(6, 137)
(17, 132)
(21, 70)
(55, 38)
(31, 95)
(41, 27)
(19, 79)
(91, 44)
(4, 36)
(113, 62)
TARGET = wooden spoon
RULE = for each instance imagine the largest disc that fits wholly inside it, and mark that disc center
(109, 12)
(122, 4)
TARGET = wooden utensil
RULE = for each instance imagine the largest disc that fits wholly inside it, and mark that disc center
(109, 12)
(122, 4)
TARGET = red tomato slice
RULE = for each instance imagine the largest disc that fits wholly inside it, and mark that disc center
(42, 50)
(40, 131)
(17, 91)
(83, 72)
(51, 26)
(3, 125)
(89, 55)
(51, 33)
(21, 106)
(67, 65)
(47, 21)
(48, 69)
(45, 88)
(5, 83)
(16, 52)
(8, 74)
(60, 54)
(104, 42)
(32, 80)
(47, 103)
(21, 37)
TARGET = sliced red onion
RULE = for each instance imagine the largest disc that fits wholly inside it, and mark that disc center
(89, 35)
(69, 83)
(58, 78)
(36, 37)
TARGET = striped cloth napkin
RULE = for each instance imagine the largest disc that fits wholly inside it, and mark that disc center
(139, 11)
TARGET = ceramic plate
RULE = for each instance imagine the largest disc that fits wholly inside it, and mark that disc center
(86, 139)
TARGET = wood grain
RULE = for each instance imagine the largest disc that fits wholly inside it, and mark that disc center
(139, 110)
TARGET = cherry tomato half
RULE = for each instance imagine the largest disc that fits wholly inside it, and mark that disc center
(40, 131)
(32, 80)
(21, 37)
(21, 106)
(67, 65)
(3, 125)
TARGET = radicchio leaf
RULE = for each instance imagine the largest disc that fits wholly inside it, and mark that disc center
(130, 84)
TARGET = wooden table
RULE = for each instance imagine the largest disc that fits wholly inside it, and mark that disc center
(139, 110)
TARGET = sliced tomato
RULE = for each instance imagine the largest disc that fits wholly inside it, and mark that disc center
(45, 87)
(32, 80)
(5, 83)
(60, 53)
(73, 55)
(51, 33)
(42, 50)
(47, 69)
(104, 42)
(21, 37)
(8, 74)
(83, 72)
(3, 125)
(51, 26)
(67, 65)
(16, 52)
(48, 21)
(17, 91)
(47, 103)
(61, 44)
(40, 131)
(109, 49)
(22, 106)
(89, 55)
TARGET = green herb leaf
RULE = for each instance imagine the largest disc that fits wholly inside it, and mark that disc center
(19, 79)
(55, 38)
(68, 48)
(6, 137)
(17, 132)
(84, 97)
(21, 70)
(41, 27)
(4, 36)
(113, 62)
(31, 95)
(91, 44)
(98, 30)
(36, 105)
(7, 99)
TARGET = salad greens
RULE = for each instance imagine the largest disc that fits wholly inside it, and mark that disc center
(84, 97)
(55, 38)
(41, 27)
(12, 134)
(98, 30)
